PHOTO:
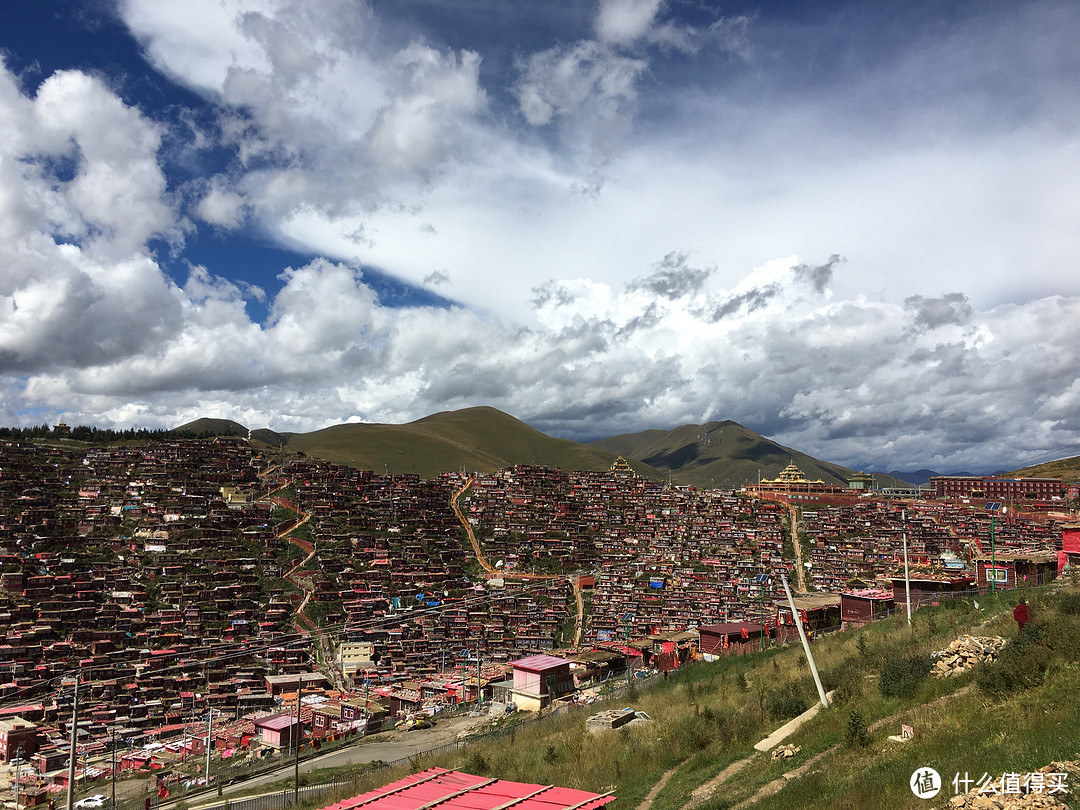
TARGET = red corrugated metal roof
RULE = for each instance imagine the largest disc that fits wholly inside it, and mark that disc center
(277, 723)
(454, 790)
(538, 663)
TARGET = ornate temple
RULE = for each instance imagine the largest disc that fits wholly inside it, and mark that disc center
(791, 480)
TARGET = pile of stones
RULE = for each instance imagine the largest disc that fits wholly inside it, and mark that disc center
(786, 751)
(965, 653)
(1047, 788)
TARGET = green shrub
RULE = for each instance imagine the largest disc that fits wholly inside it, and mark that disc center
(1069, 604)
(901, 673)
(856, 735)
(786, 701)
(728, 724)
(1062, 636)
(476, 763)
(846, 679)
(1020, 665)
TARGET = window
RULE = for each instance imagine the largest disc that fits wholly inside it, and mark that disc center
(997, 574)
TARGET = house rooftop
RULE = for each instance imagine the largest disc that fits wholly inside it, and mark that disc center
(454, 790)
(538, 663)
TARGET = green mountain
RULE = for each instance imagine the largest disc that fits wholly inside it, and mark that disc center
(211, 427)
(476, 439)
(1067, 469)
(717, 454)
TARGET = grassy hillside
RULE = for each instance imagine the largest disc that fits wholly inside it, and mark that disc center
(717, 454)
(1067, 469)
(483, 439)
(212, 427)
(1015, 715)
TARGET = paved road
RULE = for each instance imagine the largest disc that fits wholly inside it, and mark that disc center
(385, 747)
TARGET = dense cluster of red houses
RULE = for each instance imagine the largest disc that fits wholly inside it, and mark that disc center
(161, 575)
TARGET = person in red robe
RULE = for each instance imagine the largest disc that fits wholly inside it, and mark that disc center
(1021, 614)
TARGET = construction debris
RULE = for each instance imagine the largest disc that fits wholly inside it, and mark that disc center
(785, 751)
(965, 653)
(614, 718)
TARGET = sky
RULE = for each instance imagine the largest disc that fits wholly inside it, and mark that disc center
(852, 227)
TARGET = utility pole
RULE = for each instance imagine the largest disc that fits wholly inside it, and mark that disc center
(209, 736)
(805, 644)
(764, 579)
(993, 561)
(479, 688)
(113, 769)
(18, 768)
(907, 577)
(299, 731)
(72, 741)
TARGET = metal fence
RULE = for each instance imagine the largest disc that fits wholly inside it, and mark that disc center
(281, 799)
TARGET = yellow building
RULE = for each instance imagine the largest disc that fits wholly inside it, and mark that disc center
(355, 655)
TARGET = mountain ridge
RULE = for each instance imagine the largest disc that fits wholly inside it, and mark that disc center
(486, 439)
(718, 454)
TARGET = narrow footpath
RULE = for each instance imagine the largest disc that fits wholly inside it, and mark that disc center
(575, 582)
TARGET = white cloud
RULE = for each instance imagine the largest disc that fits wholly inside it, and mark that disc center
(221, 207)
(609, 227)
(582, 79)
(421, 126)
(622, 22)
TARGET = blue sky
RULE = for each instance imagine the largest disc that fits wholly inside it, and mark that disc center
(851, 227)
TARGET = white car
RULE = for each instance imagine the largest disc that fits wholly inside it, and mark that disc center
(90, 802)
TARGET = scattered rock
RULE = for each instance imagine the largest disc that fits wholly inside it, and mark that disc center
(966, 653)
(785, 751)
(1040, 795)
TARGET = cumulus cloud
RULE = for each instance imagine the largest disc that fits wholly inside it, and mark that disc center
(673, 278)
(628, 23)
(847, 376)
(622, 22)
(221, 207)
(82, 192)
(658, 302)
(584, 78)
(932, 313)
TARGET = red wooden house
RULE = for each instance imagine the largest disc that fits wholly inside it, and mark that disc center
(280, 731)
(863, 606)
(539, 679)
(733, 638)
(1016, 570)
